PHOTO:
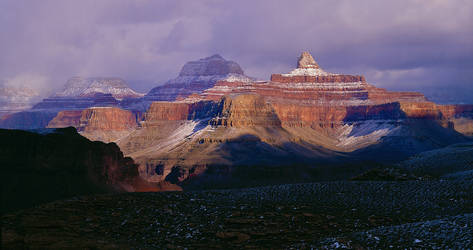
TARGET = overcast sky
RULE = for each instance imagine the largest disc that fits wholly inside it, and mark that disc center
(400, 45)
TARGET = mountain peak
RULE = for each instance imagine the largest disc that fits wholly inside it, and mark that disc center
(306, 61)
(80, 86)
(213, 57)
(307, 66)
(210, 66)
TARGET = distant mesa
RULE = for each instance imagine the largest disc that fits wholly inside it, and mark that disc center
(197, 76)
(81, 93)
(210, 66)
(85, 87)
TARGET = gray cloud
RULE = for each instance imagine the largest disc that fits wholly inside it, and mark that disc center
(407, 44)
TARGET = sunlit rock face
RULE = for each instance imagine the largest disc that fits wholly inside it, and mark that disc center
(97, 123)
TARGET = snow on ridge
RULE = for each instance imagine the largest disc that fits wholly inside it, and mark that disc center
(308, 72)
(78, 86)
(366, 132)
(187, 79)
(238, 78)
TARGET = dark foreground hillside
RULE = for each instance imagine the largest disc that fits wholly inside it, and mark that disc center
(418, 214)
(47, 165)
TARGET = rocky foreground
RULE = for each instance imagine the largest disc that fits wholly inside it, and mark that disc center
(361, 215)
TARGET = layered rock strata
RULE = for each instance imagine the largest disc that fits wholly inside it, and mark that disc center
(302, 117)
(99, 123)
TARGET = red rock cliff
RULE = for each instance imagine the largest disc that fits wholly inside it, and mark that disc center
(95, 119)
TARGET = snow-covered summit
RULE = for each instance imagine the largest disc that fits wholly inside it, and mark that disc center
(86, 87)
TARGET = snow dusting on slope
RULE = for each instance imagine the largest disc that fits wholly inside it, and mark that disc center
(364, 133)
(308, 72)
(78, 86)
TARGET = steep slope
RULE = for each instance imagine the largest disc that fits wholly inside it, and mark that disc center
(54, 164)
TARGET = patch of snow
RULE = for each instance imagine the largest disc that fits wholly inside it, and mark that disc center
(78, 86)
(366, 132)
(177, 137)
(308, 72)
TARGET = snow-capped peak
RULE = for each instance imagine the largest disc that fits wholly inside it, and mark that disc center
(80, 87)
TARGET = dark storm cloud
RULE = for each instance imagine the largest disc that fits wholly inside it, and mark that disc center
(411, 45)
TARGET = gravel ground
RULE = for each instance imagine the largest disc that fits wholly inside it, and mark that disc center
(452, 232)
(321, 215)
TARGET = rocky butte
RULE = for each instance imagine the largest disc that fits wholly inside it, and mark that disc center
(305, 117)
(197, 76)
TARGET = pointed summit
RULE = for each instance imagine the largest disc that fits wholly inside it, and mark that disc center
(306, 61)
(307, 66)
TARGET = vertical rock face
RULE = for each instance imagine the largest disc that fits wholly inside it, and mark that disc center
(95, 119)
(246, 111)
(105, 124)
(106, 119)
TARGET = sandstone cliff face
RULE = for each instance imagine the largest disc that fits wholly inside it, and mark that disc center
(104, 124)
(107, 119)
(95, 119)
(246, 111)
